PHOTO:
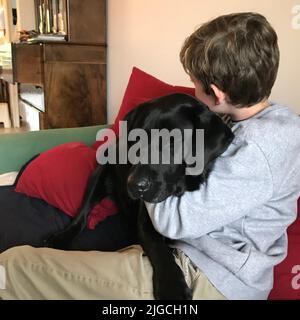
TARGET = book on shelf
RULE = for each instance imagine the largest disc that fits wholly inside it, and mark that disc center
(51, 16)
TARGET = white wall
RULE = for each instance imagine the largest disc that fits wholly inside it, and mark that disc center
(26, 18)
(149, 34)
(26, 14)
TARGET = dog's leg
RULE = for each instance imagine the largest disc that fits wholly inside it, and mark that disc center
(168, 279)
(94, 192)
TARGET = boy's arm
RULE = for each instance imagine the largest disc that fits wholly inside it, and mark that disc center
(239, 182)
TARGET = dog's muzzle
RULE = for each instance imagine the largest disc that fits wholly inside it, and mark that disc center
(137, 188)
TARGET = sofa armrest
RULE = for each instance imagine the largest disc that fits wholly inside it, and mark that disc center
(16, 149)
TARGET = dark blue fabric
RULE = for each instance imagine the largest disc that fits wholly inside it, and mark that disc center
(27, 221)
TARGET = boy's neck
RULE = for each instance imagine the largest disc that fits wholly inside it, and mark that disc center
(239, 114)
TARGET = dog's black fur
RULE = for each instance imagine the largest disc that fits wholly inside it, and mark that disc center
(130, 184)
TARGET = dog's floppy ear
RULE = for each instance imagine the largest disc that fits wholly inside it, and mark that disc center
(217, 135)
(135, 118)
(131, 118)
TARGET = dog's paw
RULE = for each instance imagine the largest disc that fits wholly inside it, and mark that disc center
(171, 285)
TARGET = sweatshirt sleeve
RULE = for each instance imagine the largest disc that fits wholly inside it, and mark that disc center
(239, 182)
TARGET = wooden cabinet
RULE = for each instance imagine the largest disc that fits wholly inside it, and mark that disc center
(88, 30)
(71, 73)
(73, 78)
(27, 63)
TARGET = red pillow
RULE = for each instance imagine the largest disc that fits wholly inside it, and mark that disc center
(287, 273)
(141, 88)
(59, 176)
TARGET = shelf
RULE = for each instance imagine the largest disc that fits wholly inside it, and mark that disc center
(51, 16)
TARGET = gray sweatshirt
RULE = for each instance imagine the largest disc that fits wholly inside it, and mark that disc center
(234, 227)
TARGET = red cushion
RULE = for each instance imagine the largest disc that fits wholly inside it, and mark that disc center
(141, 88)
(287, 273)
(59, 176)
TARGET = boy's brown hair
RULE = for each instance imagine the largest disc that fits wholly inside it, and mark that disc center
(238, 53)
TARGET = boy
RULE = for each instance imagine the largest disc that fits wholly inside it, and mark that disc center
(231, 233)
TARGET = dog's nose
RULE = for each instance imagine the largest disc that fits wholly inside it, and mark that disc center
(143, 185)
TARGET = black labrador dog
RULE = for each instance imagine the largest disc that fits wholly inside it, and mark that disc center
(132, 184)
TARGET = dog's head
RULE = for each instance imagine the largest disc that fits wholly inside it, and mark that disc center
(161, 160)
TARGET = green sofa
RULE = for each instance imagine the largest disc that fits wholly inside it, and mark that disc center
(16, 149)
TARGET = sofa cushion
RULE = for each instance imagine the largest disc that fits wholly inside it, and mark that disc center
(18, 148)
(59, 176)
(287, 273)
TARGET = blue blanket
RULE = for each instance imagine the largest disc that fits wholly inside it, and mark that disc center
(27, 221)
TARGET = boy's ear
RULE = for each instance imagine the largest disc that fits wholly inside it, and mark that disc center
(220, 96)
